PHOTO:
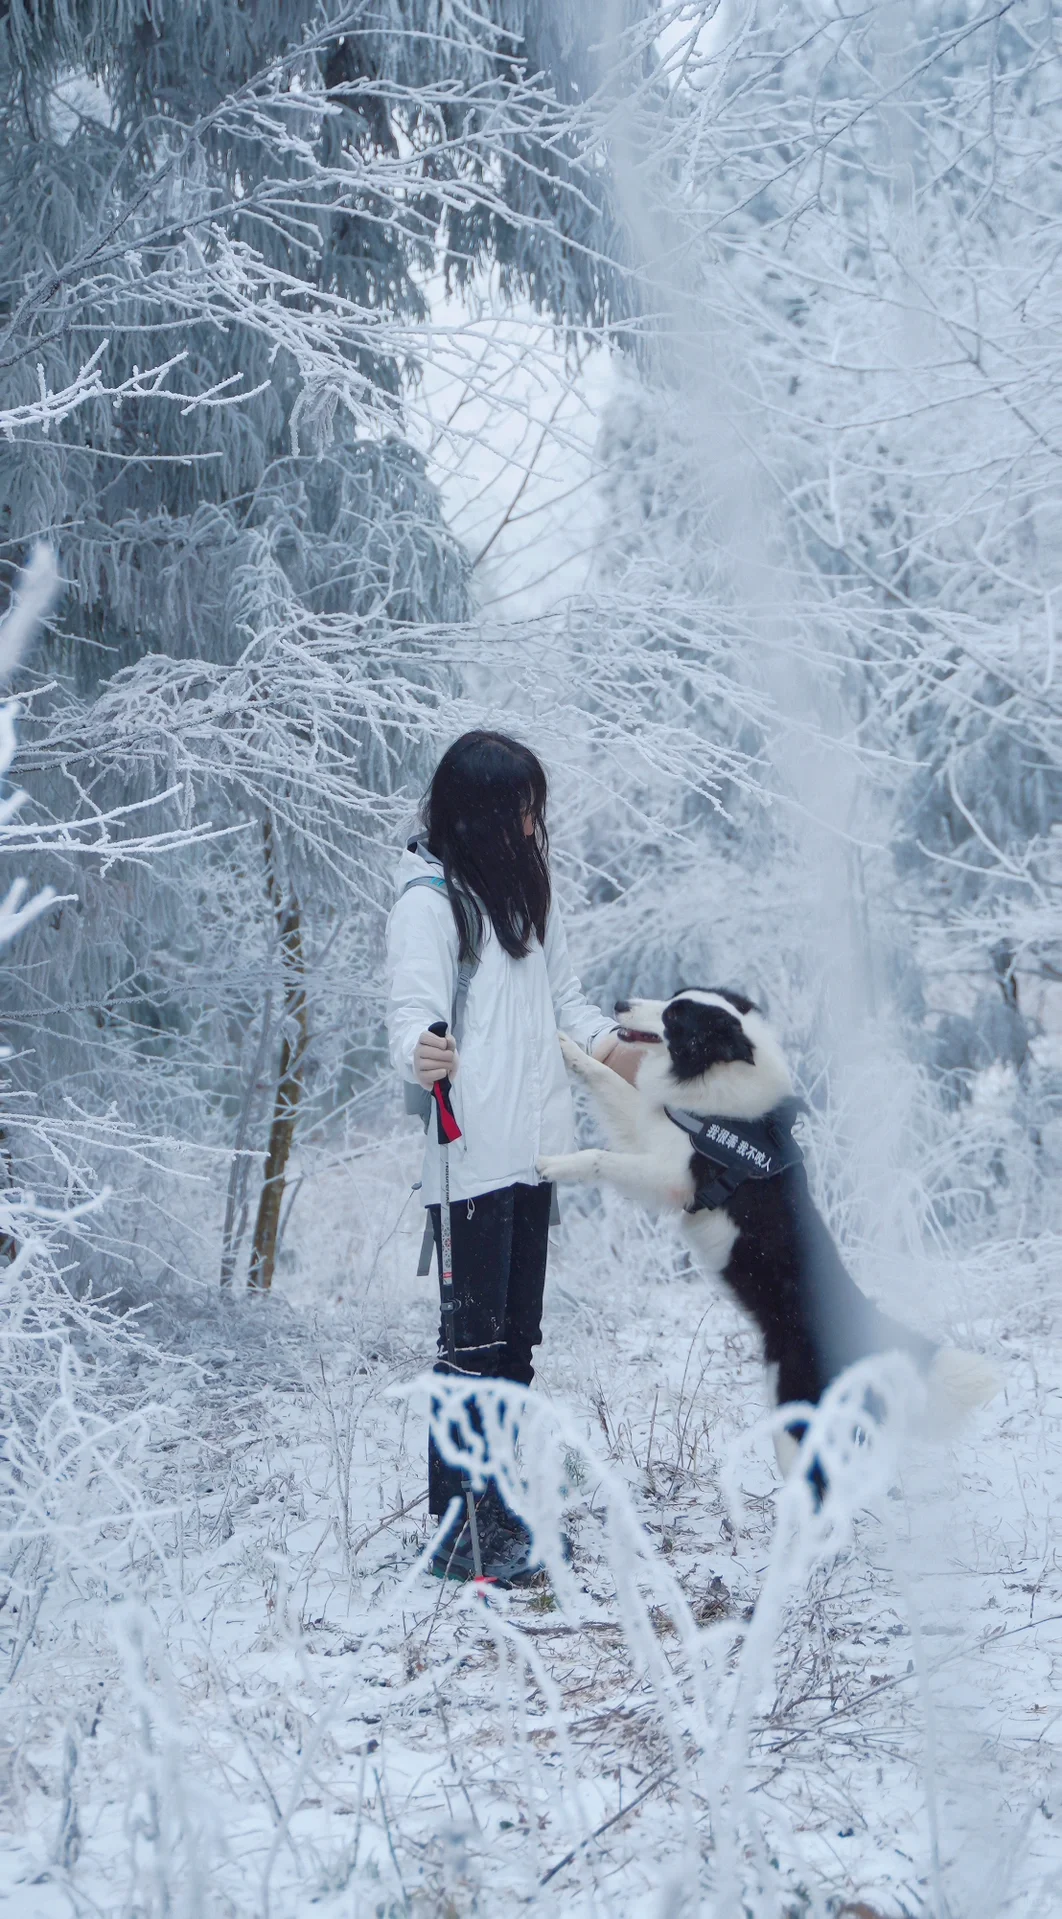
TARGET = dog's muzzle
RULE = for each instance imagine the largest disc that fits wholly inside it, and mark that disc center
(630, 1034)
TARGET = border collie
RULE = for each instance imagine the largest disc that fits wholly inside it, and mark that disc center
(706, 1131)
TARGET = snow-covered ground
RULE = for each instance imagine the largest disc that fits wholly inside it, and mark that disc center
(259, 1705)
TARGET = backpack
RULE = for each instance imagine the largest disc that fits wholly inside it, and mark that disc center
(418, 1100)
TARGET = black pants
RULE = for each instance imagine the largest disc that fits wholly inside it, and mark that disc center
(499, 1242)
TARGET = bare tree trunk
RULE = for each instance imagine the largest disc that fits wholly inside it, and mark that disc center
(9, 1247)
(236, 1198)
(289, 1078)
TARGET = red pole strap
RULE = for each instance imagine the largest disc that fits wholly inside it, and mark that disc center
(447, 1127)
(449, 1130)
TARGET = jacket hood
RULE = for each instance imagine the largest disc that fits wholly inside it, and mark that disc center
(416, 862)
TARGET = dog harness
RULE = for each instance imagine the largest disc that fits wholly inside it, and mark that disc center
(738, 1150)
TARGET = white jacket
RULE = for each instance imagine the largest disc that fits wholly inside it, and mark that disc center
(510, 1093)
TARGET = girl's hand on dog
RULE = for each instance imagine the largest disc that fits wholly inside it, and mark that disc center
(434, 1057)
(608, 1051)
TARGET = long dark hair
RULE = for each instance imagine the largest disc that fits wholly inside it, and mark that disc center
(484, 787)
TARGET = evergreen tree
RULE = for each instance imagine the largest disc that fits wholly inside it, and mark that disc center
(246, 206)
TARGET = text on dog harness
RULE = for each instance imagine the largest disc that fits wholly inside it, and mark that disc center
(739, 1149)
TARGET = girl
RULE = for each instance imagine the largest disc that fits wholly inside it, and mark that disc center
(474, 900)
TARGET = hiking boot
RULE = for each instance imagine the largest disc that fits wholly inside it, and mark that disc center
(512, 1524)
(492, 1503)
(506, 1556)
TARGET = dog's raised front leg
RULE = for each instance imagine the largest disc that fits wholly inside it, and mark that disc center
(570, 1169)
(614, 1097)
(630, 1173)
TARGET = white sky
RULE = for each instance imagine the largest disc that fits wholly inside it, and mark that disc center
(510, 436)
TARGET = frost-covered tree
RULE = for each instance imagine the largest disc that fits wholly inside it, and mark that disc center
(846, 455)
(831, 517)
(218, 237)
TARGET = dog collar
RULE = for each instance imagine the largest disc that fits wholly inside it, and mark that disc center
(738, 1150)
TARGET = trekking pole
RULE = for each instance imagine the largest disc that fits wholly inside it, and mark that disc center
(449, 1130)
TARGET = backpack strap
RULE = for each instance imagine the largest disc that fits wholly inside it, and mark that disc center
(423, 879)
(464, 981)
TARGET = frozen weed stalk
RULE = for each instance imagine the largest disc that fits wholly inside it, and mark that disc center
(167, 1831)
(707, 1686)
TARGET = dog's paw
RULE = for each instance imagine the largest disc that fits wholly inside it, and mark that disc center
(574, 1056)
(556, 1167)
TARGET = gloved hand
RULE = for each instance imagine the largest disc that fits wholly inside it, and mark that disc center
(434, 1058)
(618, 1054)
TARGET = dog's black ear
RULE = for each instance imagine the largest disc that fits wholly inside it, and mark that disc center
(699, 1037)
(738, 1001)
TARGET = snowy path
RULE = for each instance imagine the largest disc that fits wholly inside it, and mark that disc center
(263, 1708)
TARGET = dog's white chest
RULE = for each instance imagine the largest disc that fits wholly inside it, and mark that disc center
(661, 1140)
(666, 1150)
(712, 1235)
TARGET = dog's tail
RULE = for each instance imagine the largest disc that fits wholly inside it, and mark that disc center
(957, 1384)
